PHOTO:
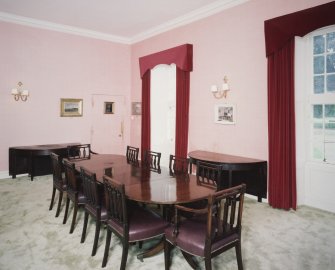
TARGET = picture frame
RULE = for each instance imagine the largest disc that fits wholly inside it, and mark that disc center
(71, 107)
(109, 107)
(225, 114)
(136, 108)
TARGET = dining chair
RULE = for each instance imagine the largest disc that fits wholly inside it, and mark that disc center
(132, 154)
(130, 222)
(79, 151)
(94, 206)
(74, 191)
(152, 160)
(178, 165)
(58, 182)
(209, 237)
(208, 174)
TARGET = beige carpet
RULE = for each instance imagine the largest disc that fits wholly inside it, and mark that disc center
(32, 238)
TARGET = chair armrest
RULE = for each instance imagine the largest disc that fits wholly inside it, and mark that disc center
(191, 210)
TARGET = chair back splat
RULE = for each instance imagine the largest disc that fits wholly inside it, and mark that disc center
(208, 174)
(59, 183)
(80, 151)
(74, 193)
(212, 236)
(178, 165)
(132, 154)
(152, 160)
(94, 207)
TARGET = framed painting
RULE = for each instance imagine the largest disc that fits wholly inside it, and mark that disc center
(225, 114)
(70, 107)
(136, 108)
(109, 107)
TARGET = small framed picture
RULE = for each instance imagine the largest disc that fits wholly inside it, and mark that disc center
(70, 107)
(225, 114)
(136, 108)
(109, 108)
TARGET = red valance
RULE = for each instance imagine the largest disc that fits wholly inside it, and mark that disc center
(280, 30)
(181, 55)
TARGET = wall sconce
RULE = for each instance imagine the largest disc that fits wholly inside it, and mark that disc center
(19, 92)
(220, 93)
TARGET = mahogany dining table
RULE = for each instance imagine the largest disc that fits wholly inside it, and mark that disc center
(143, 185)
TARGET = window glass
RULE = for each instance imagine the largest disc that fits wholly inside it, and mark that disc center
(319, 64)
(331, 83)
(319, 44)
(331, 62)
(317, 111)
(330, 42)
(319, 84)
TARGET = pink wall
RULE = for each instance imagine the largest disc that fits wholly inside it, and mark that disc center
(55, 65)
(229, 43)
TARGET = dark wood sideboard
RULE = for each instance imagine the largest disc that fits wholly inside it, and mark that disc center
(34, 159)
(237, 170)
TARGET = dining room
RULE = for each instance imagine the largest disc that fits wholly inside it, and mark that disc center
(204, 80)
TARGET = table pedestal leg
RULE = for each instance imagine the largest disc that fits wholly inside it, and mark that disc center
(190, 259)
(152, 251)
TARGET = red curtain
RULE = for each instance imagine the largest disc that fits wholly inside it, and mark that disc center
(182, 56)
(145, 128)
(279, 38)
(281, 118)
(182, 108)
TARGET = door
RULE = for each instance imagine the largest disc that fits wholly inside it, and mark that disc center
(107, 129)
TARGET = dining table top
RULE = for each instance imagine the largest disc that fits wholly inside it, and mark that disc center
(145, 185)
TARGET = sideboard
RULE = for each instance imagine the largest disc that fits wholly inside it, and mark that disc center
(237, 170)
(34, 159)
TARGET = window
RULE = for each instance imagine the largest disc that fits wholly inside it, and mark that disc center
(322, 97)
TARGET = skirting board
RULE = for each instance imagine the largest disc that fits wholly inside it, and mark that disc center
(255, 198)
(5, 175)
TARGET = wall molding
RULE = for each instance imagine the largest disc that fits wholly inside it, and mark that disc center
(193, 16)
(7, 17)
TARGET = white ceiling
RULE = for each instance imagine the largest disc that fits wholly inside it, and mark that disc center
(125, 21)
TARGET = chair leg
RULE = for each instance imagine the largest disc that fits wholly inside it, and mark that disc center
(239, 256)
(75, 209)
(52, 198)
(83, 234)
(140, 244)
(208, 263)
(66, 210)
(96, 237)
(108, 241)
(59, 203)
(167, 252)
(124, 255)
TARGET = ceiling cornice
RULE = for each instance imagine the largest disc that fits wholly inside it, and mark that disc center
(198, 14)
(7, 17)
